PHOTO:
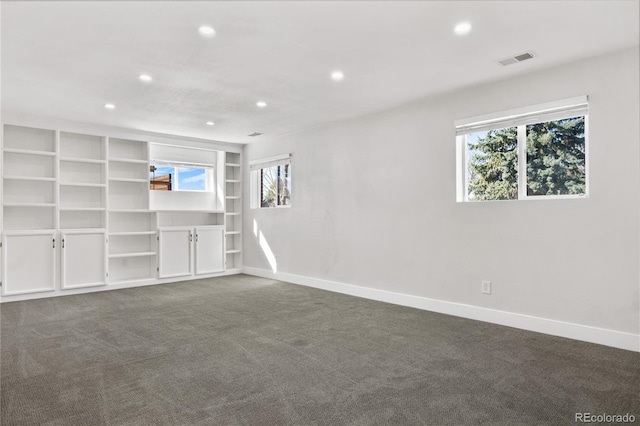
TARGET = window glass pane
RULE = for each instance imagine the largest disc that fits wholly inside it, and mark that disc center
(284, 187)
(492, 160)
(556, 157)
(162, 178)
(268, 186)
(191, 179)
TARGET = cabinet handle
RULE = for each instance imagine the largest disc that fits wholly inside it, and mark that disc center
(190, 237)
(54, 243)
(196, 238)
(63, 243)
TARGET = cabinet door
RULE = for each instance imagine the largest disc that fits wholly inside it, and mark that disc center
(209, 245)
(84, 258)
(29, 262)
(175, 252)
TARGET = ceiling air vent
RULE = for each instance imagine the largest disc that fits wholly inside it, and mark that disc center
(517, 58)
(254, 134)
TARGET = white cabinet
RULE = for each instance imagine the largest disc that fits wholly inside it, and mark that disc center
(184, 250)
(29, 262)
(175, 251)
(209, 248)
(83, 259)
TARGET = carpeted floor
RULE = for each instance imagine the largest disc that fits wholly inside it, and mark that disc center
(246, 350)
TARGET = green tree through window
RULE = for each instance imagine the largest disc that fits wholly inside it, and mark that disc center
(556, 157)
(555, 160)
(493, 165)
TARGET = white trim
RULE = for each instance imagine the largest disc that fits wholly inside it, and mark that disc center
(616, 339)
(68, 126)
(263, 163)
(119, 285)
(514, 113)
(269, 159)
(522, 162)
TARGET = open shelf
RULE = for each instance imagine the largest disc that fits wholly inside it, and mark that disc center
(138, 210)
(29, 152)
(82, 147)
(133, 254)
(29, 204)
(89, 185)
(82, 160)
(233, 215)
(28, 217)
(128, 221)
(29, 140)
(127, 160)
(126, 268)
(127, 149)
(82, 218)
(132, 180)
(29, 192)
(18, 164)
(30, 178)
(131, 233)
(190, 218)
(86, 172)
(82, 209)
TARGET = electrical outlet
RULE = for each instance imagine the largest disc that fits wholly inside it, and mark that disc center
(486, 287)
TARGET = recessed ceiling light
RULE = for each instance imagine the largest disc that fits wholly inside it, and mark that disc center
(145, 77)
(109, 106)
(261, 104)
(462, 28)
(337, 75)
(207, 31)
(210, 123)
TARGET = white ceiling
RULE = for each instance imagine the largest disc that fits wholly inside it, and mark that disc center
(67, 59)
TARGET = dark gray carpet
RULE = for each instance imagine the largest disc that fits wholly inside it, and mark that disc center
(245, 350)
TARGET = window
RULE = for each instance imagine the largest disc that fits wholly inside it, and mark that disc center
(271, 182)
(165, 176)
(532, 153)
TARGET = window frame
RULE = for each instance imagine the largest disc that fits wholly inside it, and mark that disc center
(518, 118)
(256, 168)
(209, 175)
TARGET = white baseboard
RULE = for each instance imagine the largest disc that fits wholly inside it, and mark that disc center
(585, 333)
(111, 286)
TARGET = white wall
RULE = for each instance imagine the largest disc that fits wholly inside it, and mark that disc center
(374, 206)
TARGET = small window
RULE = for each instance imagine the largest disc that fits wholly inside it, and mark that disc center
(271, 182)
(180, 177)
(527, 155)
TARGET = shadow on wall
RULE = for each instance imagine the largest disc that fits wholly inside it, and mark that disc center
(266, 249)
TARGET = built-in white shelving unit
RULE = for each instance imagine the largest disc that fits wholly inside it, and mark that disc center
(76, 214)
(233, 211)
(82, 183)
(29, 176)
(132, 227)
(82, 207)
